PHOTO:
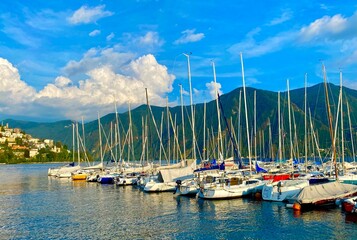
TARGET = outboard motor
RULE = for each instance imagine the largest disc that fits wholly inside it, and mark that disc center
(178, 184)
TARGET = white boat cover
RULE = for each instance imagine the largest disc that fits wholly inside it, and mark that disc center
(173, 174)
(98, 166)
(326, 191)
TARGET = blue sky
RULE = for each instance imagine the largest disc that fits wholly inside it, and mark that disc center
(73, 59)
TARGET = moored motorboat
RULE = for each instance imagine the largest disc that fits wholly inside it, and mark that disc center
(127, 179)
(107, 178)
(322, 195)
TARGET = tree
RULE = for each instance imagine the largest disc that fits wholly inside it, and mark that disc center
(19, 141)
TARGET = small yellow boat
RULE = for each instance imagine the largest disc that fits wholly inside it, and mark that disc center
(79, 176)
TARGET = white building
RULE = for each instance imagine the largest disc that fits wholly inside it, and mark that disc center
(33, 152)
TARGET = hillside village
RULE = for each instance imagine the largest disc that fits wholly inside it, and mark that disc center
(16, 146)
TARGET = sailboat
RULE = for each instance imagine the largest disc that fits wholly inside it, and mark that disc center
(65, 171)
(283, 190)
(235, 186)
(324, 194)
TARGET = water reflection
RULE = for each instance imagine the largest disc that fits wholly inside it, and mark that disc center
(35, 206)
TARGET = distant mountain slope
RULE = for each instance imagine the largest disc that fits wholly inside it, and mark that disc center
(266, 110)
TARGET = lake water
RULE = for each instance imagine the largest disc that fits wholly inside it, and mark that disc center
(34, 206)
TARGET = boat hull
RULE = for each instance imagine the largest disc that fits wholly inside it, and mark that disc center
(229, 192)
(283, 190)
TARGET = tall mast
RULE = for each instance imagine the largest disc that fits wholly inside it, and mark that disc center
(192, 111)
(84, 137)
(204, 131)
(168, 130)
(290, 131)
(161, 126)
(131, 139)
(79, 155)
(342, 135)
(246, 115)
(239, 132)
(279, 129)
(351, 133)
(183, 125)
(118, 129)
(305, 122)
(100, 140)
(270, 141)
(73, 146)
(329, 114)
(220, 140)
(255, 125)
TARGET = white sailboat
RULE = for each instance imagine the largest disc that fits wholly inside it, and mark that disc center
(167, 178)
(282, 190)
(227, 188)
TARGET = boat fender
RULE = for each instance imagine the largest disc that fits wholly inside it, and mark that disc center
(289, 205)
(296, 206)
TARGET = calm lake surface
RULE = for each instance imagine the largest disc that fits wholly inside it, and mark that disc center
(35, 206)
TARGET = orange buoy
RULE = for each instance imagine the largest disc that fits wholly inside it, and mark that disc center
(297, 207)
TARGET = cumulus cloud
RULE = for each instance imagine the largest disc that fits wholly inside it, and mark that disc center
(214, 88)
(62, 81)
(189, 35)
(104, 85)
(15, 94)
(95, 93)
(114, 57)
(85, 15)
(94, 33)
(324, 27)
(95, 57)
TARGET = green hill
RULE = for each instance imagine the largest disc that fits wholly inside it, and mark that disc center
(266, 111)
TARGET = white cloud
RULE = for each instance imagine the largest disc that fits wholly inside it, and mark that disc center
(15, 95)
(62, 81)
(110, 36)
(18, 31)
(251, 48)
(214, 88)
(350, 84)
(252, 81)
(286, 16)
(96, 93)
(45, 20)
(189, 35)
(95, 57)
(151, 39)
(94, 33)
(327, 31)
(147, 43)
(324, 27)
(85, 15)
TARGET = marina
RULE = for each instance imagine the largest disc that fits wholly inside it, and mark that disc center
(178, 120)
(34, 206)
